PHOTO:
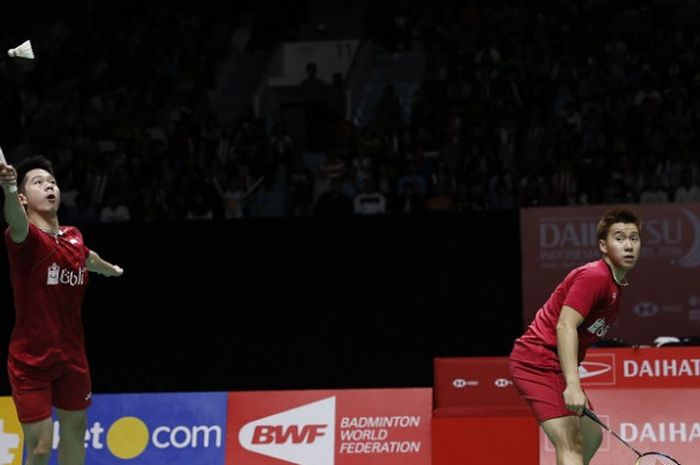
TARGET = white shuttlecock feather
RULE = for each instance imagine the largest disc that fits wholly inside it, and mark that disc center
(23, 51)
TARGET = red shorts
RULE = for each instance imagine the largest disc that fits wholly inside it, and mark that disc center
(35, 390)
(541, 385)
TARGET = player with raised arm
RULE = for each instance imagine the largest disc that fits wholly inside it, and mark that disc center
(49, 265)
(544, 361)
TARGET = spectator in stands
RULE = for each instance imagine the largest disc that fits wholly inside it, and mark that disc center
(83, 212)
(412, 190)
(333, 202)
(199, 209)
(231, 195)
(654, 192)
(300, 189)
(315, 109)
(500, 196)
(337, 99)
(114, 211)
(563, 86)
(370, 201)
(687, 191)
(332, 167)
(281, 143)
(441, 199)
(565, 181)
(387, 113)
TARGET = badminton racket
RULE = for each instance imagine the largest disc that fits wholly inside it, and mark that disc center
(646, 458)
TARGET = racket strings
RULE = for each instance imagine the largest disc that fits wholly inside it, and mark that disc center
(654, 458)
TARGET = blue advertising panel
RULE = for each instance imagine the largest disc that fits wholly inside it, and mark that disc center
(155, 429)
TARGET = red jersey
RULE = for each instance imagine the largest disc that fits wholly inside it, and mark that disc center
(590, 290)
(49, 277)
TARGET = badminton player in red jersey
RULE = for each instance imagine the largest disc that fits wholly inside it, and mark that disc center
(544, 361)
(49, 266)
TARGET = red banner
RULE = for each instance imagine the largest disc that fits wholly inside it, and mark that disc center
(648, 395)
(476, 387)
(663, 298)
(375, 427)
(668, 368)
(661, 420)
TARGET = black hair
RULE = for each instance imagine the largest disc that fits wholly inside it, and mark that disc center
(32, 163)
(616, 215)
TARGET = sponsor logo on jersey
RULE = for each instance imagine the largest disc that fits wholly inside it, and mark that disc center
(600, 327)
(57, 275)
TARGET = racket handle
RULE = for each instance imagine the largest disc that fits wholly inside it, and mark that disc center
(589, 413)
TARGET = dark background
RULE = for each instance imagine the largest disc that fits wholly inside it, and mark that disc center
(588, 103)
(295, 303)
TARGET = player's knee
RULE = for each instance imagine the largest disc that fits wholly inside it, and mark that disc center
(73, 428)
(40, 453)
(72, 432)
(574, 446)
(570, 444)
(565, 435)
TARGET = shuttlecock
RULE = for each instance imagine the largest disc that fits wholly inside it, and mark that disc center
(22, 51)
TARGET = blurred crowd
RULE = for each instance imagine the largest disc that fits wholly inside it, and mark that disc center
(522, 103)
(541, 103)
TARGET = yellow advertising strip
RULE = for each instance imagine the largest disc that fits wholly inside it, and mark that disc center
(10, 434)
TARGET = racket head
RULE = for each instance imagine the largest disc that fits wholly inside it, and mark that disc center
(656, 458)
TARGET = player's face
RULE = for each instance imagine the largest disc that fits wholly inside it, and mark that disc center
(41, 193)
(622, 245)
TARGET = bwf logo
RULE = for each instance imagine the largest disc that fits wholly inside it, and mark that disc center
(303, 435)
(8, 443)
(296, 434)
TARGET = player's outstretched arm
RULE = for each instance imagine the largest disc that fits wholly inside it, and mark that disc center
(13, 210)
(97, 264)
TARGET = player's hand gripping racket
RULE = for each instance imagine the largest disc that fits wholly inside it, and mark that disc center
(647, 458)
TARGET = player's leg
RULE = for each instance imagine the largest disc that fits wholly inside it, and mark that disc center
(592, 436)
(31, 394)
(38, 437)
(72, 396)
(565, 435)
(71, 436)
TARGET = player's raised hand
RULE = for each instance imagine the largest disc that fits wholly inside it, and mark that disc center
(8, 175)
(118, 270)
(96, 264)
(113, 271)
